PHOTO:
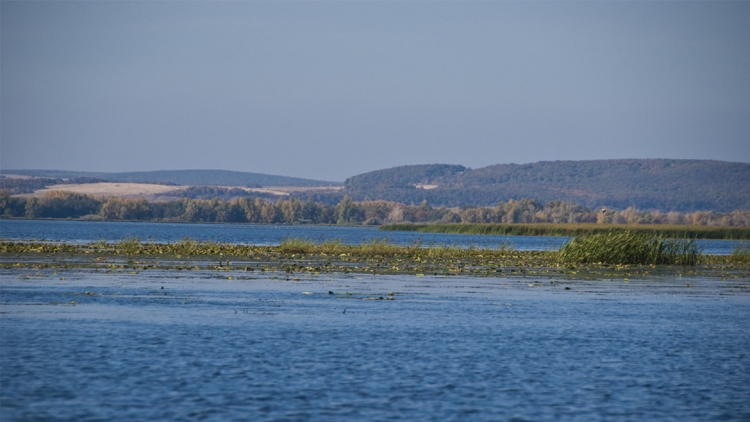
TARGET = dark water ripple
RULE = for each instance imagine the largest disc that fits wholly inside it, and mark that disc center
(456, 349)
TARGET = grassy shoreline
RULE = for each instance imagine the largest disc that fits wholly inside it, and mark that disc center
(577, 229)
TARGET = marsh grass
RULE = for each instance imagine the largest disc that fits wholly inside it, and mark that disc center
(135, 246)
(629, 248)
(550, 229)
(741, 254)
(597, 254)
(296, 245)
(130, 245)
(377, 247)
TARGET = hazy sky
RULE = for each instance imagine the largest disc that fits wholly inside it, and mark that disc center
(328, 90)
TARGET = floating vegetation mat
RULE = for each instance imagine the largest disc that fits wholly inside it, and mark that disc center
(586, 257)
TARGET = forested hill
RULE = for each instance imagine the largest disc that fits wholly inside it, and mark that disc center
(666, 185)
(181, 177)
(404, 176)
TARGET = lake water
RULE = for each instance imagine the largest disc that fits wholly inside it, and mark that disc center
(91, 231)
(82, 344)
(168, 345)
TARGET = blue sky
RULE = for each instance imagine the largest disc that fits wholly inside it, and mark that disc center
(327, 90)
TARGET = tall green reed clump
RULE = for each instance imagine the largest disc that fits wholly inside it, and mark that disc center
(628, 247)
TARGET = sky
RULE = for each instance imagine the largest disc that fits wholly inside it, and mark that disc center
(327, 90)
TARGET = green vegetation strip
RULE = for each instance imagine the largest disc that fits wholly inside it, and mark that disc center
(629, 247)
(612, 254)
(671, 231)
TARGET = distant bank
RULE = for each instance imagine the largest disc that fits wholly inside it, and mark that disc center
(668, 185)
(672, 231)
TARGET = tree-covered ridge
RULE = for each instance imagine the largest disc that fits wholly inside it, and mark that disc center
(211, 192)
(182, 177)
(405, 176)
(670, 185)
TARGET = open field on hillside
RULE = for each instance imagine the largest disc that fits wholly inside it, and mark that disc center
(286, 190)
(124, 190)
(17, 176)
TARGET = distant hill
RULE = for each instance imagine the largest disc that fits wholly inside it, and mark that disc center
(404, 176)
(666, 185)
(181, 177)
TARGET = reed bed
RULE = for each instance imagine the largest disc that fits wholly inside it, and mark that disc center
(630, 247)
(741, 254)
(549, 229)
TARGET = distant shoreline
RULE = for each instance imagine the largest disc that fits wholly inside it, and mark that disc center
(576, 229)
(491, 229)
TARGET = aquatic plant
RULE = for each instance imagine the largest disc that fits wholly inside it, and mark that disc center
(599, 256)
(629, 247)
(304, 246)
(549, 229)
(380, 247)
(296, 245)
(130, 245)
(740, 254)
(185, 246)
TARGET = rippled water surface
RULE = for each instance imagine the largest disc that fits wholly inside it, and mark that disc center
(172, 345)
(92, 231)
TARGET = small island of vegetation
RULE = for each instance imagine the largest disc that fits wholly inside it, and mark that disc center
(600, 255)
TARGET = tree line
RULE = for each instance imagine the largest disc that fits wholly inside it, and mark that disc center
(289, 210)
